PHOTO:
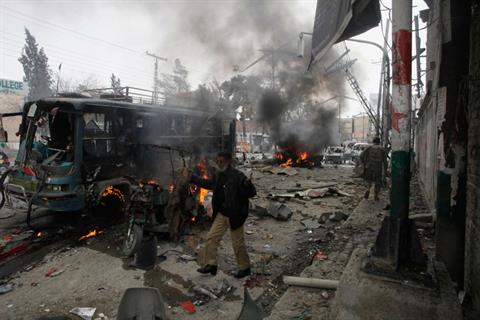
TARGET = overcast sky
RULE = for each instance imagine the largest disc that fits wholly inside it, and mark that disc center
(95, 38)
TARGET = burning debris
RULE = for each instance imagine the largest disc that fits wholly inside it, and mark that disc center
(111, 191)
(91, 234)
(289, 157)
(202, 169)
(301, 141)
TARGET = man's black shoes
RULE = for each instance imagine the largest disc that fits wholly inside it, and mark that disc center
(242, 273)
(208, 269)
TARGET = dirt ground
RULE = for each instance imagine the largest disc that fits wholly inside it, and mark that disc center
(93, 273)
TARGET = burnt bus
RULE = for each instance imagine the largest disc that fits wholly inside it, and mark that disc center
(74, 150)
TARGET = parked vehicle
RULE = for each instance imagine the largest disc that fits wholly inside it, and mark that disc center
(145, 210)
(348, 152)
(358, 148)
(334, 155)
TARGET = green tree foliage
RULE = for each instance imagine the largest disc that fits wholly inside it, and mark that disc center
(35, 67)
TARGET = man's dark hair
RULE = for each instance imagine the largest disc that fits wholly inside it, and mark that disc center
(376, 140)
(225, 154)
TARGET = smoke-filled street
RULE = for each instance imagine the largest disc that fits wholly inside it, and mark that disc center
(307, 237)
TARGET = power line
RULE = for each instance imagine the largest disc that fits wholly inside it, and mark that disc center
(80, 64)
(40, 21)
(83, 70)
(77, 59)
(70, 30)
(21, 39)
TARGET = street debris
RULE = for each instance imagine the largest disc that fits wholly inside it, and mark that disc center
(311, 223)
(289, 171)
(53, 272)
(310, 193)
(255, 280)
(84, 313)
(305, 315)
(325, 295)
(310, 282)
(28, 268)
(187, 258)
(319, 255)
(4, 288)
(50, 271)
(338, 216)
(204, 291)
(279, 211)
(187, 306)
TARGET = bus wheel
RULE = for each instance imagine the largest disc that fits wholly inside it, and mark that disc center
(133, 239)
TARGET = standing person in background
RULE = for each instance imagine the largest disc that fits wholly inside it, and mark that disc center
(374, 159)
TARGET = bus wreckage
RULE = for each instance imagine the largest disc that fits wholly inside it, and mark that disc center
(85, 153)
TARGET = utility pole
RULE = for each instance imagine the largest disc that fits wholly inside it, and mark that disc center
(401, 106)
(398, 240)
(386, 93)
(155, 75)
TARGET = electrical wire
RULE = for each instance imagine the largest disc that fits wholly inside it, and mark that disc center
(84, 69)
(65, 59)
(80, 34)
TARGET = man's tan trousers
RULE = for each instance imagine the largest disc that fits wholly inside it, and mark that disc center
(215, 235)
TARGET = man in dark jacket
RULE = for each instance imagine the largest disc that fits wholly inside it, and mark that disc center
(231, 190)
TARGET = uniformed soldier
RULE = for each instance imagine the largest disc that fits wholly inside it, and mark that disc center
(374, 160)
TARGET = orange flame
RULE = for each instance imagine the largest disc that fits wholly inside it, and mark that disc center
(301, 157)
(91, 234)
(202, 167)
(39, 234)
(111, 191)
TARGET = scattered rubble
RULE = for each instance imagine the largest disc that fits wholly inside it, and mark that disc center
(255, 280)
(279, 211)
(338, 216)
(310, 194)
(84, 313)
(311, 223)
(5, 288)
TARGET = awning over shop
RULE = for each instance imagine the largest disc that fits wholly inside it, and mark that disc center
(339, 20)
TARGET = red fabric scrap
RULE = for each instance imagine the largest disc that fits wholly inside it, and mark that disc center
(29, 171)
(188, 306)
(50, 271)
(8, 237)
(319, 255)
(21, 247)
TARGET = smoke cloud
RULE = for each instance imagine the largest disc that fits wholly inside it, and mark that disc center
(231, 33)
